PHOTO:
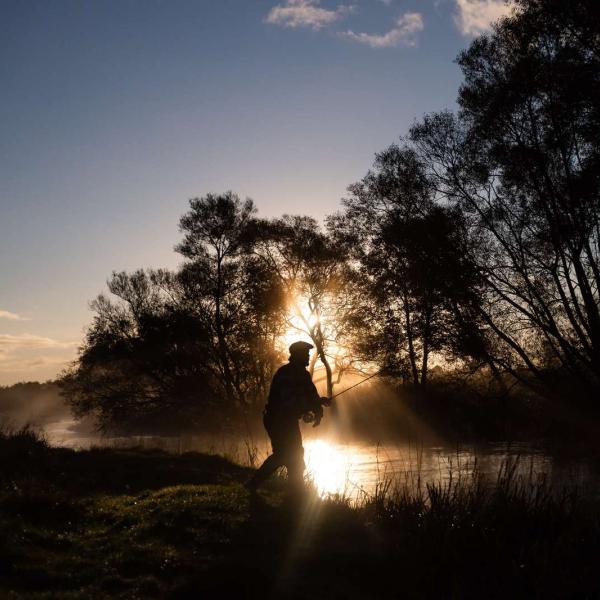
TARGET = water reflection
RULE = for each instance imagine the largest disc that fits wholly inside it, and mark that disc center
(356, 470)
(332, 468)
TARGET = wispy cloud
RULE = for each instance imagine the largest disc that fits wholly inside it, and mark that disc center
(476, 16)
(32, 356)
(27, 364)
(11, 316)
(403, 34)
(305, 13)
(29, 341)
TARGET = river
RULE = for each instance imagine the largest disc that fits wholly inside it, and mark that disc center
(358, 469)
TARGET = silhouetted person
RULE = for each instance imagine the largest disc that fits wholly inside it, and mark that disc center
(292, 395)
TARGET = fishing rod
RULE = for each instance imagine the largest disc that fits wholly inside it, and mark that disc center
(310, 417)
(355, 385)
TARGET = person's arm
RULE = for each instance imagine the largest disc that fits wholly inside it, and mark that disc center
(315, 402)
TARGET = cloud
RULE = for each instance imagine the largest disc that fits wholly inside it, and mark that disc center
(476, 16)
(26, 364)
(28, 341)
(5, 314)
(32, 356)
(404, 34)
(305, 13)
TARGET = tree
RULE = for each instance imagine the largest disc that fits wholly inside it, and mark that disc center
(142, 360)
(240, 302)
(410, 253)
(212, 240)
(522, 160)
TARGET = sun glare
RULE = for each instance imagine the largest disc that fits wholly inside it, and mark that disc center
(326, 466)
(299, 321)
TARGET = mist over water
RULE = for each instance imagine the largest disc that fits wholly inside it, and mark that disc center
(376, 439)
(37, 404)
(358, 468)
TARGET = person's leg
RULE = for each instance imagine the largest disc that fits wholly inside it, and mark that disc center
(271, 464)
(294, 456)
(295, 468)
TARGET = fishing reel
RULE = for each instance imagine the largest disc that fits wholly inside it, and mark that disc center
(308, 417)
(313, 417)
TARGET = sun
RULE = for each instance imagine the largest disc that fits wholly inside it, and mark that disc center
(300, 320)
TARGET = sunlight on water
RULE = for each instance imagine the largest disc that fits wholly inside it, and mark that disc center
(358, 470)
(326, 466)
(353, 470)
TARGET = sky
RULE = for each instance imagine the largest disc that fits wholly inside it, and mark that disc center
(114, 113)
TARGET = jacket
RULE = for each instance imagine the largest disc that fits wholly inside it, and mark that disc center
(292, 393)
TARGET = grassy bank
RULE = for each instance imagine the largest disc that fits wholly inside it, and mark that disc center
(143, 524)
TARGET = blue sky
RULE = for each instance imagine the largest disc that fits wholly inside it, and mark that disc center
(113, 113)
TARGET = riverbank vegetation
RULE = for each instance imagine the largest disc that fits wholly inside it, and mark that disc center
(133, 523)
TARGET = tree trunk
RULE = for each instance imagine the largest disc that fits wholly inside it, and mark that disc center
(412, 357)
(222, 344)
(426, 335)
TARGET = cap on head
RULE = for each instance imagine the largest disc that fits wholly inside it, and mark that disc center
(298, 348)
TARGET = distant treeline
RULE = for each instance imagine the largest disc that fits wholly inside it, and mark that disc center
(473, 244)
